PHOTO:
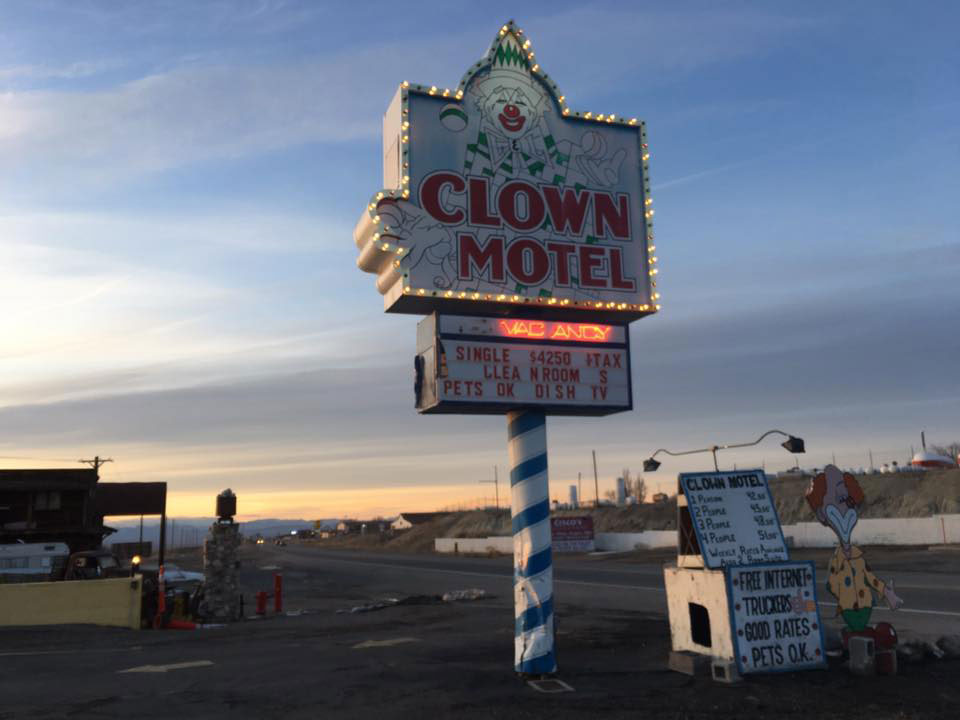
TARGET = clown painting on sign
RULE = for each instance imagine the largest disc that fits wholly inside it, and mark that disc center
(835, 497)
(514, 139)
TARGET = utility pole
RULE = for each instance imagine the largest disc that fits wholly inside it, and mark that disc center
(496, 485)
(96, 463)
(596, 482)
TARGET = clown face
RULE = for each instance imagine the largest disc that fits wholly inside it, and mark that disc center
(839, 510)
(512, 109)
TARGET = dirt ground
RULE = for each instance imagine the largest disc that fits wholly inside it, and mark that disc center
(439, 660)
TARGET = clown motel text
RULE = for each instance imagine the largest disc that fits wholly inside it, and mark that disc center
(734, 517)
(507, 254)
(774, 617)
(480, 364)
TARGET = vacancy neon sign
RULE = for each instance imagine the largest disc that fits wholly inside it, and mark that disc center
(546, 330)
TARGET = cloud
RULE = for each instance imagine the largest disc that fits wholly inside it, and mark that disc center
(648, 47)
(147, 301)
(832, 372)
(70, 71)
(200, 112)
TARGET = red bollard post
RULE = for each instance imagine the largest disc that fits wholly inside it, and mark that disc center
(262, 602)
(278, 592)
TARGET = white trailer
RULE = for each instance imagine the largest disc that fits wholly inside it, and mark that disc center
(38, 562)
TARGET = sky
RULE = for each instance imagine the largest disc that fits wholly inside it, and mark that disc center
(179, 182)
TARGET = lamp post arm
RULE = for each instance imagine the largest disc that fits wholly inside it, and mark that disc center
(685, 452)
(755, 442)
(713, 448)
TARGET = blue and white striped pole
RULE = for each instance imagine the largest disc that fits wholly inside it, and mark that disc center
(532, 562)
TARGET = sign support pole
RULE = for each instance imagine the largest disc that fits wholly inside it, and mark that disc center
(534, 652)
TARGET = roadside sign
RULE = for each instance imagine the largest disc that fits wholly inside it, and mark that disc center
(774, 617)
(734, 517)
(499, 196)
(494, 364)
(499, 199)
(572, 534)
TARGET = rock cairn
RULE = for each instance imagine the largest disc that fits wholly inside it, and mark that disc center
(221, 594)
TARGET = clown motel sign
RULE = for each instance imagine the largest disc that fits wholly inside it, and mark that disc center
(734, 517)
(491, 364)
(499, 198)
(774, 618)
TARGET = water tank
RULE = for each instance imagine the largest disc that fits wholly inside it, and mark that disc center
(226, 505)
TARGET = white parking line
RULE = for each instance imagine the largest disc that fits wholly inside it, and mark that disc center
(167, 668)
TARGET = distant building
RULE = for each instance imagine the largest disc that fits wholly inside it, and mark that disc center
(405, 521)
(930, 461)
(660, 497)
(51, 505)
(349, 527)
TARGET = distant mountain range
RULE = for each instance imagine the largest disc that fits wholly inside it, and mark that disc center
(190, 532)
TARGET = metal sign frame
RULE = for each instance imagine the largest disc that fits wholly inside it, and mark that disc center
(395, 234)
(430, 346)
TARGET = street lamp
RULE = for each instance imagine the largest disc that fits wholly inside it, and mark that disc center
(791, 444)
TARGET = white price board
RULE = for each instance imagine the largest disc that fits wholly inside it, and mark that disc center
(734, 517)
(775, 617)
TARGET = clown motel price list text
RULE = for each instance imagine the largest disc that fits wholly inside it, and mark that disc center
(734, 517)
(531, 374)
(774, 617)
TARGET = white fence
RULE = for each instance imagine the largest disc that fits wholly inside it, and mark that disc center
(475, 545)
(935, 530)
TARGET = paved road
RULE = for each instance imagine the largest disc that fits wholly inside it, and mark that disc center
(442, 660)
(931, 607)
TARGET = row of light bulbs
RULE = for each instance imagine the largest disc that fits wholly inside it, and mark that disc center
(503, 297)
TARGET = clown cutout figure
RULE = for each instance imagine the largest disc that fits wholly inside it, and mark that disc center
(835, 497)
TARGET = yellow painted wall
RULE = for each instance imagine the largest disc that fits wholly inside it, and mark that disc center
(95, 602)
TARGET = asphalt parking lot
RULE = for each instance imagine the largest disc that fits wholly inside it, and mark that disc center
(444, 659)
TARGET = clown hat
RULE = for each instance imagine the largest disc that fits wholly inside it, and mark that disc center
(509, 62)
